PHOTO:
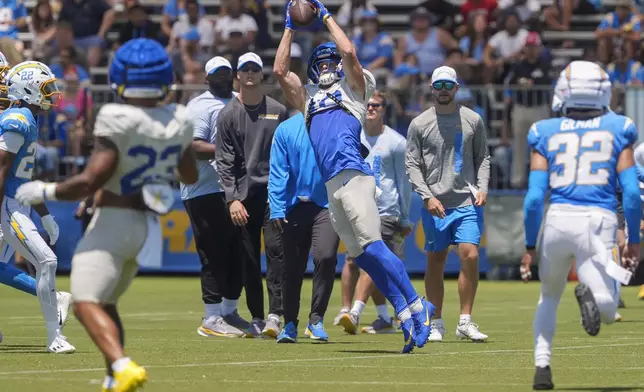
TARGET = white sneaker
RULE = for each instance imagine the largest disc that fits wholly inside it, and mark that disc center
(437, 332)
(64, 303)
(336, 321)
(470, 331)
(61, 346)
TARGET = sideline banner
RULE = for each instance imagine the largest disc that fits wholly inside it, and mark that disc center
(179, 254)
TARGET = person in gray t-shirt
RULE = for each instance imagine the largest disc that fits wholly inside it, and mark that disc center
(448, 164)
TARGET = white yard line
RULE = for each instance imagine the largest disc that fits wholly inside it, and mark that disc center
(334, 358)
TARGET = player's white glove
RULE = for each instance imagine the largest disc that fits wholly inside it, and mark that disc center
(35, 192)
(51, 227)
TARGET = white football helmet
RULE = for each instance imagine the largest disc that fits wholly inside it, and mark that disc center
(582, 85)
(32, 82)
(4, 67)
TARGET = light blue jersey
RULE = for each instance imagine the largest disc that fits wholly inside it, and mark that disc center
(204, 110)
(582, 157)
(22, 122)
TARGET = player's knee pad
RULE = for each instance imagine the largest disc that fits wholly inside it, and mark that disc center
(607, 307)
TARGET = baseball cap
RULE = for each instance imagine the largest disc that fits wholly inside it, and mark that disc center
(215, 63)
(533, 38)
(249, 57)
(444, 74)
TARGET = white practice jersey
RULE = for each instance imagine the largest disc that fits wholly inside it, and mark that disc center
(319, 100)
(150, 142)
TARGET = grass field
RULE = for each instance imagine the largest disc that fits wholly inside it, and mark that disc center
(161, 316)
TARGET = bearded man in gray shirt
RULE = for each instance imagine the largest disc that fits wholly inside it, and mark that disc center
(448, 164)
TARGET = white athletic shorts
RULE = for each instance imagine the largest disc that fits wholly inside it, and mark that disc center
(105, 261)
(353, 210)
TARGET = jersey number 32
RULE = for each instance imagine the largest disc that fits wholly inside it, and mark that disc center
(578, 168)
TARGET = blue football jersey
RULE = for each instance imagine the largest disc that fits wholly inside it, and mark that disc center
(582, 157)
(22, 121)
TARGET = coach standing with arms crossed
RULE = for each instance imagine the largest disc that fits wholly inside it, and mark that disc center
(448, 163)
(299, 209)
(205, 202)
(245, 129)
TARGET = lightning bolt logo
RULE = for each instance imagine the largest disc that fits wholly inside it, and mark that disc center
(16, 228)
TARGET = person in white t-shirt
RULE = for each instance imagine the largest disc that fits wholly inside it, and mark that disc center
(193, 21)
(505, 46)
(235, 20)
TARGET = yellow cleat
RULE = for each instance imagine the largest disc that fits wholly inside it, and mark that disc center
(130, 379)
(641, 293)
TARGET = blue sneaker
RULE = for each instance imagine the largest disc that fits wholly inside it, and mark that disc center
(288, 334)
(422, 323)
(408, 333)
(316, 332)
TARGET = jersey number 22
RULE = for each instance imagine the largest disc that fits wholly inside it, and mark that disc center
(578, 168)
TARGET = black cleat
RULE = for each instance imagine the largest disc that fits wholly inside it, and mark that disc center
(590, 316)
(543, 379)
(621, 304)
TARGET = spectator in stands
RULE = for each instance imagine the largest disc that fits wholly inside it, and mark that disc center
(455, 58)
(13, 17)
(235, 20)
(620, 27)
(258, 9)
(623, 72)
(528, 10)
(474, 42)
(43, 27)
(68, 65)
(559, 16)
(193, 20)
(75, 111)
(90, 20)
(64, 39)
(427, 43)
(190, 60)
(349, 14)
(236, 47)
(475, 5)
(173, 11)
(375, 48)
(405, 93)
(443, 13)
(504, 48)
(139, 25)
(532, 77)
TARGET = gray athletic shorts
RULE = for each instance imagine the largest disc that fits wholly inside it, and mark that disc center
(104, 263)
(353, 210)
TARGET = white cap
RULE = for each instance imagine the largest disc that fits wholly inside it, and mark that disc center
(444, 74)
(249, 57)
(215, 63)
(296, 50)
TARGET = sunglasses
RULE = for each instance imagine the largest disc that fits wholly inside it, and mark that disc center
(373, 105)
(250, 68)
(439, 85)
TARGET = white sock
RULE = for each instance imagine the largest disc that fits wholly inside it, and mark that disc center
(108, 382)
(465, 318)
(344, 310)
(417, 306)
(228, 306)
(212, 310)
(120, 364)
(383, 312)
(358, 307)
(273, 317)
(404, 315)
(46, 291)
(545, 320)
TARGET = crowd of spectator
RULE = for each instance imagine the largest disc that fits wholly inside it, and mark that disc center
(488, 42)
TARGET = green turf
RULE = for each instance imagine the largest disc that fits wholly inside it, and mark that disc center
(161, 316)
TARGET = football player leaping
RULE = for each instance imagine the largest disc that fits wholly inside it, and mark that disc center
(580, 158)
(31, 88)
(10, 275)
(139, 145)
(334, 105)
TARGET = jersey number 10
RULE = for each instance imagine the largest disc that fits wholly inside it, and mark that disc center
(578, 168)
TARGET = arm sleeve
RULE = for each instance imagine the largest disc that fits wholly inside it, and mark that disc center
(225, 158)
(533, 206)
(402, 182)
(278, 176)
(481, 156)
(631, 203)
(413, 162)
(534, 140)
(11, 142)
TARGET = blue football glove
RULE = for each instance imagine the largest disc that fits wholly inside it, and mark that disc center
(289, 23)
(322, 12)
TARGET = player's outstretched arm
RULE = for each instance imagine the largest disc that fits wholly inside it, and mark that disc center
(289, 81)
(187, 169)
(350, 63)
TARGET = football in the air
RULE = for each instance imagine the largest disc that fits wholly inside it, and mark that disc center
(302, 12)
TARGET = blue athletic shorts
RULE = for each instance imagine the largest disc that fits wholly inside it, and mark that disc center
(460, 225)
